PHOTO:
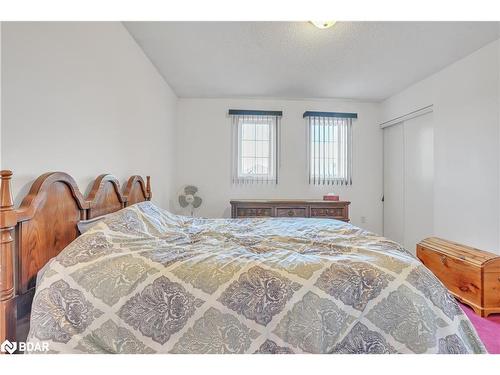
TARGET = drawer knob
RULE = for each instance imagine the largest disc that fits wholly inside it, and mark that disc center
(464, 288)
(443, 260)
(290, 213)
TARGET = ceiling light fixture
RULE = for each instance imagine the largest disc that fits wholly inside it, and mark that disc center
(323, 24)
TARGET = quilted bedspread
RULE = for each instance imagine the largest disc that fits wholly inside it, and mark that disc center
(147, 281)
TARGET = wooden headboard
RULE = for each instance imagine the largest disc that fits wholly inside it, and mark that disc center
(43, 225)
(105, 196)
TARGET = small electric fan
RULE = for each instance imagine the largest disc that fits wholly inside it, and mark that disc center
(189, 198)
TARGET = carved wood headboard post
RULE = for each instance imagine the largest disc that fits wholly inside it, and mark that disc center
(8, 221)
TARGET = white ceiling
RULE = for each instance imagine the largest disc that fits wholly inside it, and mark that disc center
(358, 60)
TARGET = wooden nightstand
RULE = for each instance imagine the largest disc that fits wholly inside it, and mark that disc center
(471, 275)
(313, 208)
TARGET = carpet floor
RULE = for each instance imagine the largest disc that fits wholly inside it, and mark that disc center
(488, 329)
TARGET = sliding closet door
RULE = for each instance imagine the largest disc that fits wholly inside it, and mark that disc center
(409, 181)
(394, 183)
(419, 180)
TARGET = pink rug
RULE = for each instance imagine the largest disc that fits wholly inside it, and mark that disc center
(488, 329)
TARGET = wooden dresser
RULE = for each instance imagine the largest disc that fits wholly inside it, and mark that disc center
(471, 275)
(290, 208)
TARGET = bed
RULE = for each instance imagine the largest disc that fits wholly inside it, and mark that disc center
(143, 280)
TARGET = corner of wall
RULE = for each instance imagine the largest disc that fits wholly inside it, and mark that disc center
(172, 103)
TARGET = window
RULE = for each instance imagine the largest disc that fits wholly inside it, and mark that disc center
(255, 146)
(330, 147)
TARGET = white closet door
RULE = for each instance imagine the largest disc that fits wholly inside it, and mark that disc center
(409, 181)
(419, 180)
(394, 183)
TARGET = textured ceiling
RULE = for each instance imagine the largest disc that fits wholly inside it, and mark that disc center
(358, 60)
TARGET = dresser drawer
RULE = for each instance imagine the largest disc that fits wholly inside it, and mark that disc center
(461, 278)
(291, 211)
(290, 208)
(254, 212)
(335, 212)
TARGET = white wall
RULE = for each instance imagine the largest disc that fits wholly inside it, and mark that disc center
(204, 155)
(84, 99)
(466, 98)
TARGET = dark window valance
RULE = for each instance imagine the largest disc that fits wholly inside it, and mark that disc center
(330, 114)
(246, 112)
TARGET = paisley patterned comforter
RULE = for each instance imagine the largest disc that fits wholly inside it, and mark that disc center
(147, 281)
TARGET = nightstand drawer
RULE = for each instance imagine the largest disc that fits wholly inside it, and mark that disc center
(291, 211)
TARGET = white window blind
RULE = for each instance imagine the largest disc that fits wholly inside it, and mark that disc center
(329, 137)
(255, 149)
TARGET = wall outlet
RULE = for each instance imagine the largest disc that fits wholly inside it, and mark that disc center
(363, 219)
